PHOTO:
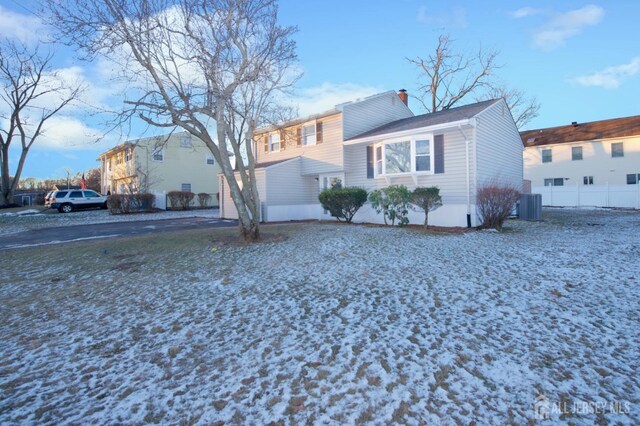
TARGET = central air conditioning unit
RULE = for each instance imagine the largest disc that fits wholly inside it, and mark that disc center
(530, 207)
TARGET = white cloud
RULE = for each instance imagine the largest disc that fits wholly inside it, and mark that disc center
(456, 18)
(524, 12)
(313, 100)
(69, 133)
(24, 28)
(611, 77)
(566, 25)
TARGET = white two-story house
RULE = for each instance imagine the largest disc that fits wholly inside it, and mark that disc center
(585, 164)
(376, 142)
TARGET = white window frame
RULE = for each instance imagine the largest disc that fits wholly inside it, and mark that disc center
(581, 153)
(157, 151)
(272, 142)
(542, 151)
(303, 134)
(210, 157)
(412, 144)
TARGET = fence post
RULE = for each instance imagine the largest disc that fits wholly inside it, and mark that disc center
(578, 195)
(608, 194)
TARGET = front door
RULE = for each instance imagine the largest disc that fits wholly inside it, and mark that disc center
(327, 182)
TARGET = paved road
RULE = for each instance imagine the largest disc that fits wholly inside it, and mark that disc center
(61, 235)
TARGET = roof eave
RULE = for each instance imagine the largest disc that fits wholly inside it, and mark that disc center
(466, 123)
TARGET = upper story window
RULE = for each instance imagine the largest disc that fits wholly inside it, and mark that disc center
(185, 187)
(157, 155)
(210, 160)
(633, 178)
(617, 150)
(127, 155)
(309, 135)
(547, 156)
(274, 142)
(576, 153)
(554, 182)
(185, 142)
(404, 156)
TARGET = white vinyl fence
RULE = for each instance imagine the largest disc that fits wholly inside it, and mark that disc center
(161, 200)
(627, 196)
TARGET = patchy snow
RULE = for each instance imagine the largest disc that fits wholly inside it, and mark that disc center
(337, 325)
(17, 222)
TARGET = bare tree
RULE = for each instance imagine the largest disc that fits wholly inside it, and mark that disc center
(197, 65)
(448, 78)
(31, 94)
(523, 108)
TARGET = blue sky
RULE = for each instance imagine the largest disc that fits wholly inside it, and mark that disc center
(581, 60)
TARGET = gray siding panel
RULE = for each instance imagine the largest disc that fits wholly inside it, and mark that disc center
(499, 151)
(286, 186)
(368, 114)
(452, 183)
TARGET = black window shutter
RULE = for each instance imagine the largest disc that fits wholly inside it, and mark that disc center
(370, 162)
(319, 132)
(299, 136)
(438, 154)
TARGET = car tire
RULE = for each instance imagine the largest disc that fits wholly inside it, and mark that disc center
(65, 208)
(104, 206)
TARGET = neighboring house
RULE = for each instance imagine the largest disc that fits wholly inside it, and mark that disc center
(175, 162)
(595, 164)
(378, 142)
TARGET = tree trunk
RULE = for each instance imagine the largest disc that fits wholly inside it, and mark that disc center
(426, 218)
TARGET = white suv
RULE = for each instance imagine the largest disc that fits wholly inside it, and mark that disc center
(69, 200)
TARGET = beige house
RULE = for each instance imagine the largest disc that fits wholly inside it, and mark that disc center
(376, 142)
(175, 162)
(585, 164)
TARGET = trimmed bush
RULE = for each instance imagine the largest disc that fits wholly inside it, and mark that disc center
(181, 200)
(204, 200)
(393, 202)
(343, 203)
(130, 203)
(426, 200)
(495, 203)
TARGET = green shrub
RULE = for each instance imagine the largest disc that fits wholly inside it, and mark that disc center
(181, 200)
(393, 202)
(343, 203)
(426, 200)
(130, 203)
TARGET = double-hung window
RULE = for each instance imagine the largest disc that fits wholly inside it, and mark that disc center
(404, 156)
(274, 142)
(617, 150)
(576, 153)
(309, 134)
(547, 156)
(423, 156)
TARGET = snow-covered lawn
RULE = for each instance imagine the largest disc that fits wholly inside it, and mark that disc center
(333, 325)
(12, 222)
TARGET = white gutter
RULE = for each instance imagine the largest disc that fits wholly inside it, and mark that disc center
(469, 122)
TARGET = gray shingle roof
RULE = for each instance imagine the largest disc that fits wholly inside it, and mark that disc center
(431, 119)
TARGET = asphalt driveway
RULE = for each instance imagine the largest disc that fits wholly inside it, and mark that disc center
(66, 234)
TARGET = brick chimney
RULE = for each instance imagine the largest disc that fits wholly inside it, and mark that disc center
(402, 94)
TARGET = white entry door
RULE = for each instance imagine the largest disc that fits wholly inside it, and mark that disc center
(326, 182)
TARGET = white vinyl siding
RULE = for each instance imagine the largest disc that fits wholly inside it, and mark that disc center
(360, 117)
(452, 182)
(499, 147)
(286, 186)
(324, 157)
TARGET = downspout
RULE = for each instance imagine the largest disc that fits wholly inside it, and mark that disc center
(468, 169)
